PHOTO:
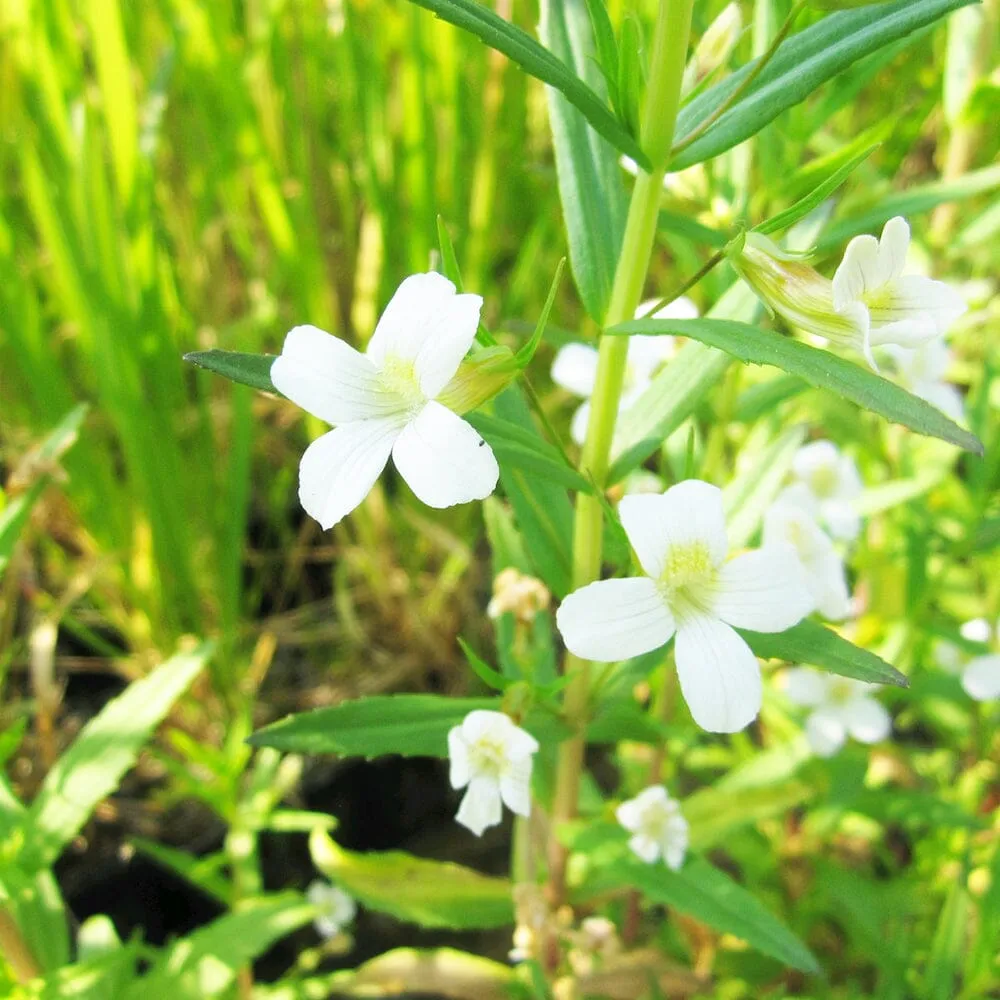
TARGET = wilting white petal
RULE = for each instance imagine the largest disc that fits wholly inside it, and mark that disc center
(719, 675)
(329, 379)
(338, 470)
(428, 324)
(867, 720)
(515, 785)
(575, 369)
(481, 806)
(614, 619)
(764, 590)
(981, 678)
(806, 687)
(825, 732)
(443, 460)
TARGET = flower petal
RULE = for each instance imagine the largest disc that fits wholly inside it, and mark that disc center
(944, 397)
(515, 786)
(690, 511)
(858, 272)
(867, 720)
(578, 425)
(644, 847)
(329, 379)
(614, 620)
(765, 590)
(805, 686)
(719, 675)
(926, 303)
(458, 758)
(338, 470)
(645, 355)
(825, 732)
(481, 805)
(575, 369)
(443, 460)
(892, 248)
(981, 678)
(427, 323)
(841, 519)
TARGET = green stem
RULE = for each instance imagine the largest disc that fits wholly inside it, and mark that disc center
(669, 53)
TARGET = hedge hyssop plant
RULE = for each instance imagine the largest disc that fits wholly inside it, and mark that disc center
(657, 585)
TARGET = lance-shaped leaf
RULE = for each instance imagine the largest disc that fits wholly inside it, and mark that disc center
(818, 367)
(801, 64)
(253, 370)
(479, 20)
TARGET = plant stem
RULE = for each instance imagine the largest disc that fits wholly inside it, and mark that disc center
(669, 53)
(15, 950)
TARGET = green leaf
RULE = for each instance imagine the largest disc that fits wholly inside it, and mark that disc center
(34, 901)
(204, 872)
(428, 893)
(815, 645)
(820, 368)
(801, 208)
(490, 677)
(106, 748)
(519, 448)
(801, 64)
(411, 725)
(631, 73)
(707, 894)
(624, 720)
(205, 963)
(536, 60)
(949, 947)
(590, 183)
(247, 369)
(527, 351)
(607, 48)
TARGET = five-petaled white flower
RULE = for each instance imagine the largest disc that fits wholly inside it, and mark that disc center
(841, 707)
(980, 675)
(692, 590)
(491, 755)
(658, 829)
(827, 485)
(921, 370)
(335, 908)
(575, 365)
(888, 307)
(824, 569)
(383, 401)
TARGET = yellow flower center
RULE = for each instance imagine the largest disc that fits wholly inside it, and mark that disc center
(688, 580)
(841, 691)
(487, 757)
(399, 376)
(824, 481)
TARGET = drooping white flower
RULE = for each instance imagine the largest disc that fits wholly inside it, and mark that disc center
(824, 569)
(658, 828)
(826, 483)
(336, 909)
(692, 590)
(981, 677)
(575, 365)
(870, 288)
(384, 402)
(493, 757)
(921, 370)
(841, 707)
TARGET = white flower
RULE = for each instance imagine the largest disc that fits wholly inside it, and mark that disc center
(659, 830)
(336, 908)
(976, 630)
(824, 569)
(827, 485)
(575, 365)
(493, 757)
(869, 287)
(981, 678)
(841, 706)
(689, 588)
(921, 370)
(384, 401)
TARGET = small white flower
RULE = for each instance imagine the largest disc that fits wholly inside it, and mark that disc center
(826, 483)
(824, 569)
(493, 757)
(336, 908)
(384, 402)
(691, 589)
(575, 365)
(841, 707)
(921, 370)
(889, 307)
(659, 830)
(981, 678)
(976, 630)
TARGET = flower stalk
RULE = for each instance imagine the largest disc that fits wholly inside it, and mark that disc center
(669, 55)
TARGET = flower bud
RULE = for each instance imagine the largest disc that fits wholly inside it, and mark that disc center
(484, 373)
(715, 47)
